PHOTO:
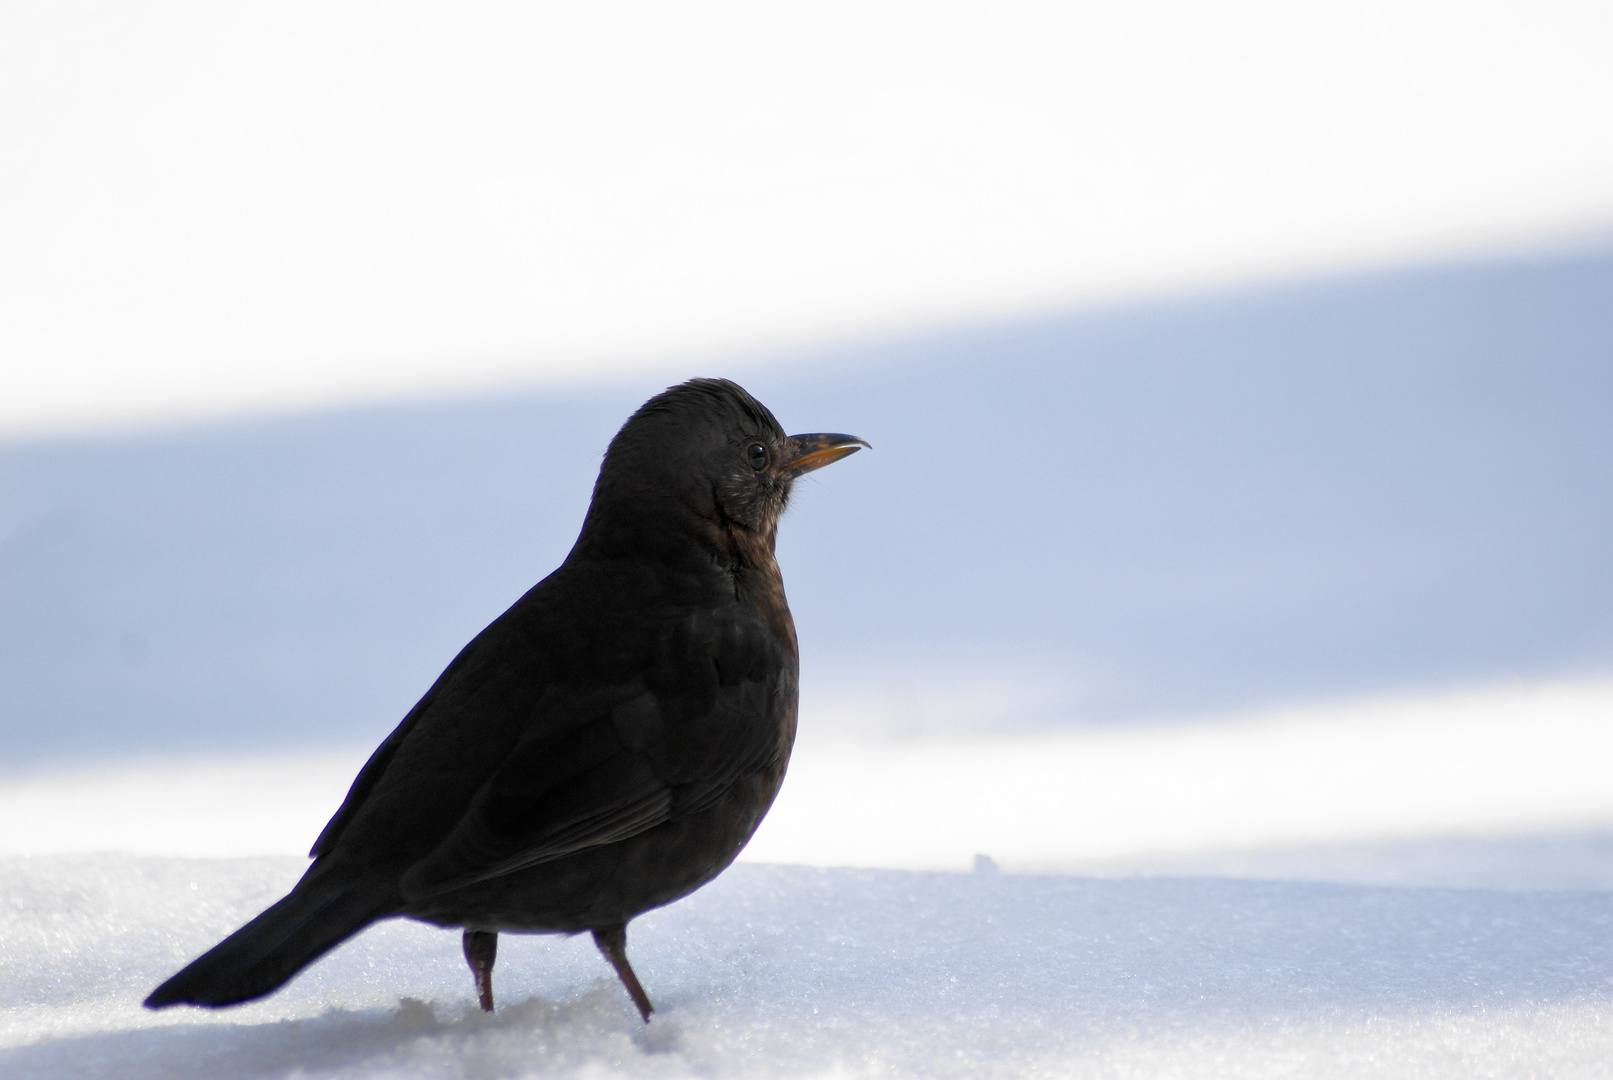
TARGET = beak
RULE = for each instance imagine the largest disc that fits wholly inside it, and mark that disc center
(808, 452)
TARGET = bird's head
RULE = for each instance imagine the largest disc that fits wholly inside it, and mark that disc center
(703, 455)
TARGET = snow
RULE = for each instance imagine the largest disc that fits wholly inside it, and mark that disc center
(1484, 763)
(797, 971)
(206, 208)
(1324, 491)
(1114, 922)
(1216, 688)
(1508, 762)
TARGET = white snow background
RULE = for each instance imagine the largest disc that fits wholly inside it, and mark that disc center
(1259, 641)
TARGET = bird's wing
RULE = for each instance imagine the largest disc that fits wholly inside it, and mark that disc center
(489, 666)
(367, 778)
(604, 764)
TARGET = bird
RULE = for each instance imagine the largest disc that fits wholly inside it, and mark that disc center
(604, 747)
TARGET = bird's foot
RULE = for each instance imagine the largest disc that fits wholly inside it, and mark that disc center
(481, 947)
(612, 941)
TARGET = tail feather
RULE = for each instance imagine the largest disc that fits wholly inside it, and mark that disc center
(261, 956)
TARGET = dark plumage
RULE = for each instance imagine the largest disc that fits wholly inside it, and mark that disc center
(606, 746)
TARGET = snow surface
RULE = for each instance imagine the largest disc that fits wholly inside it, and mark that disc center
(791, 970)
(1327, 490)
(204, 206)
(796, 971)
(1504, 763)
(1054, 627)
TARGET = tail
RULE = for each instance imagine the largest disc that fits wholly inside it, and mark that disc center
(261, 956)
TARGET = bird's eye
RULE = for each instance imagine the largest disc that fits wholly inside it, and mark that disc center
(756, 454)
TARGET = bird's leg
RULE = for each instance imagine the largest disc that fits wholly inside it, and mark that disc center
(481, 946)
(612, 941)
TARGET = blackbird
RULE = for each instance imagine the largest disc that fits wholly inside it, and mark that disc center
(604, 747)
